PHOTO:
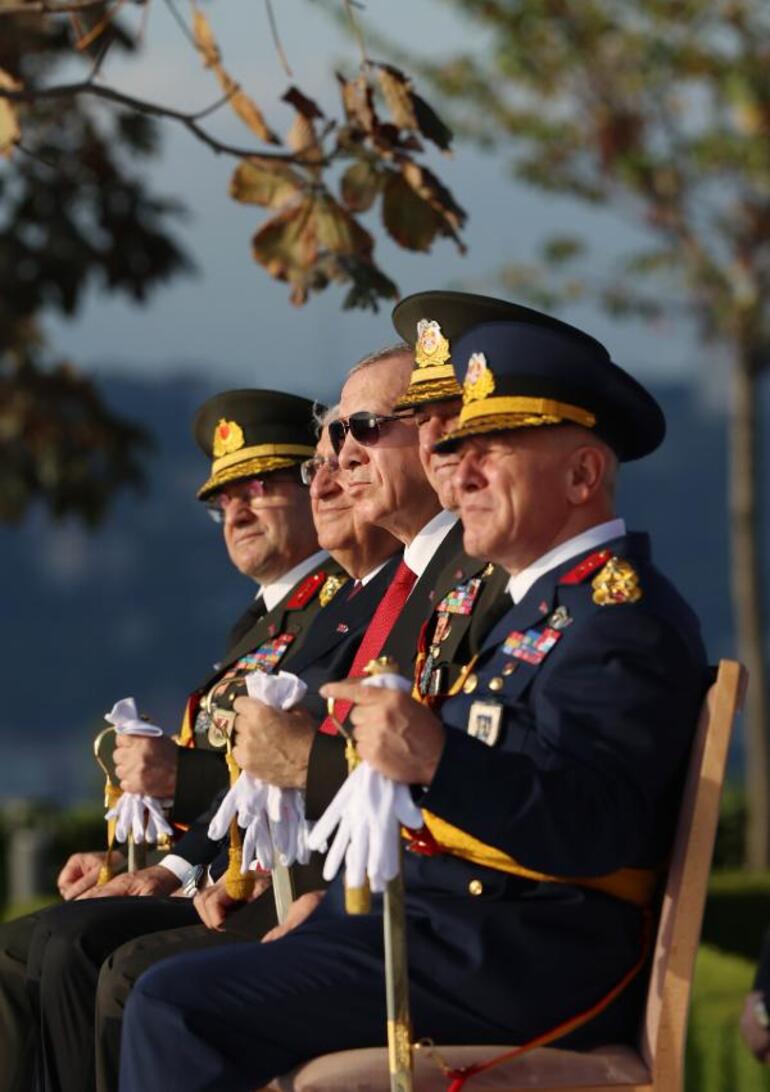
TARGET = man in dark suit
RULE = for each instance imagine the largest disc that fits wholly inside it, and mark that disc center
(549, 786)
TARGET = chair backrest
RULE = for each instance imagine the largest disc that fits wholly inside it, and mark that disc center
(665, 1025)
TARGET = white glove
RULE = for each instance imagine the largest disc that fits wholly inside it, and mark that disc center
(130, 812)
(273, 818)
(142, 816)
(367, 812)
(127, 722)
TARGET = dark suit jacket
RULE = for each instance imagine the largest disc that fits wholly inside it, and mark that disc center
(449, 566)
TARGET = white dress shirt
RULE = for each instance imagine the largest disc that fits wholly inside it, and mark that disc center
(519, 585)
(423, 546)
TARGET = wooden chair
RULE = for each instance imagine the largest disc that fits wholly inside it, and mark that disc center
(658, 1062)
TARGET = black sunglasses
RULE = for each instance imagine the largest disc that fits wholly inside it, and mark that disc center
(364, 427)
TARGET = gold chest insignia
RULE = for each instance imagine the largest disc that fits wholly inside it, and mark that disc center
(228, 437)
(479, 381)
(617, 582)
(432, 348)
(331, 586)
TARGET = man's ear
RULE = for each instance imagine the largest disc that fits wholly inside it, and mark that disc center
(586, 472)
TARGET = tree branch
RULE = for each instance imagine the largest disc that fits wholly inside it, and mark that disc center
(49, 7)
(188, 120)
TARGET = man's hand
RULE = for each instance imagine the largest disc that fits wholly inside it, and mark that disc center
(273, 744)
(147, 764)
(755, 1036)
(214, 904)
(393, 732)
(301, 909)
(82, 871)
(155, 880)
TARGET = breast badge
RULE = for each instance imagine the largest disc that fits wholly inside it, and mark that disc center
(531, 646)
(618, 582)
(461, 599)
(484, 721)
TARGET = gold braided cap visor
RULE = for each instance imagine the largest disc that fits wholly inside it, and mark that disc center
(251, 461)
(430, 385)
(510, 412)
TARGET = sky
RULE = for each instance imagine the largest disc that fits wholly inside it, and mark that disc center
(230, 321)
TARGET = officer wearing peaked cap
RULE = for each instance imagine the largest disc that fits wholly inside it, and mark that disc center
(255, 440)
(549, 785)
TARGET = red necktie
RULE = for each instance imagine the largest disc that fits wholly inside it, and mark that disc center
(376, 635)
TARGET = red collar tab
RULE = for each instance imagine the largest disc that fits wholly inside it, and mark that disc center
(305, 592)
(585, 567)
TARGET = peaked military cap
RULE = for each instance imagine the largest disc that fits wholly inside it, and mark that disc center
(523, 374)
(431, 322)
(247, 433)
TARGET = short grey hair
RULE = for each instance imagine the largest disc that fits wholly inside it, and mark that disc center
(401, 348)
(323, 415)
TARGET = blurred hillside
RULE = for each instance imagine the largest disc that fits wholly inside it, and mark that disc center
(142, 606)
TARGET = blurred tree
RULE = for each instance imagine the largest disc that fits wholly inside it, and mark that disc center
(661, 110)
(72, 211)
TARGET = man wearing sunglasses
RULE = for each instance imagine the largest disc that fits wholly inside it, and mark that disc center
(549, 787)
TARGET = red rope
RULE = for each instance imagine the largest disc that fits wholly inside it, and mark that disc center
(458, 1077)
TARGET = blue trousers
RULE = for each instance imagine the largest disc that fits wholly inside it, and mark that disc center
(483, 971)
(235, 1018)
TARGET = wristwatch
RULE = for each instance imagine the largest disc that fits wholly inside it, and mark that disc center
(191, 879)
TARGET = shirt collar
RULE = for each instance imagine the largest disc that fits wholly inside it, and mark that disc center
(274, 593)
(519, 585)
(423, 546)
(364, 580)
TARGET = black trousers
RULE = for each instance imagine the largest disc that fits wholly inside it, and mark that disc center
(50, 965)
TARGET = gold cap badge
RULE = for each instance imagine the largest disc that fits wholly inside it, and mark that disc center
(228, 437)
(479, 381)
(432, 348)
(617, 582)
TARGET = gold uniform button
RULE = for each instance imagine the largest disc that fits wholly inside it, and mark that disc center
(476, 887)
(470, 684)
(510, 667)
(496, 683)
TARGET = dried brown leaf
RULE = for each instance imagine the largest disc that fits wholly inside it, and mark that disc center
(245, 107)
(302, 104)
(204, 38)
(408, 219)
(303, 140)
(10, 130)
(337, 231)
(427, 186)
(360, 185)
(284, 245)
(430, 124)
(358, 103)
(397, 91)
(265, 182)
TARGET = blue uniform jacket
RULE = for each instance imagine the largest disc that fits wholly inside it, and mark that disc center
(581, 777)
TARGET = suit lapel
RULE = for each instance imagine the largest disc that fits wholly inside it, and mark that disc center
(345, 615)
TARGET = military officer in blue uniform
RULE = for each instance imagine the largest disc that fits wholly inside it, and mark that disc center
(549, 785)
